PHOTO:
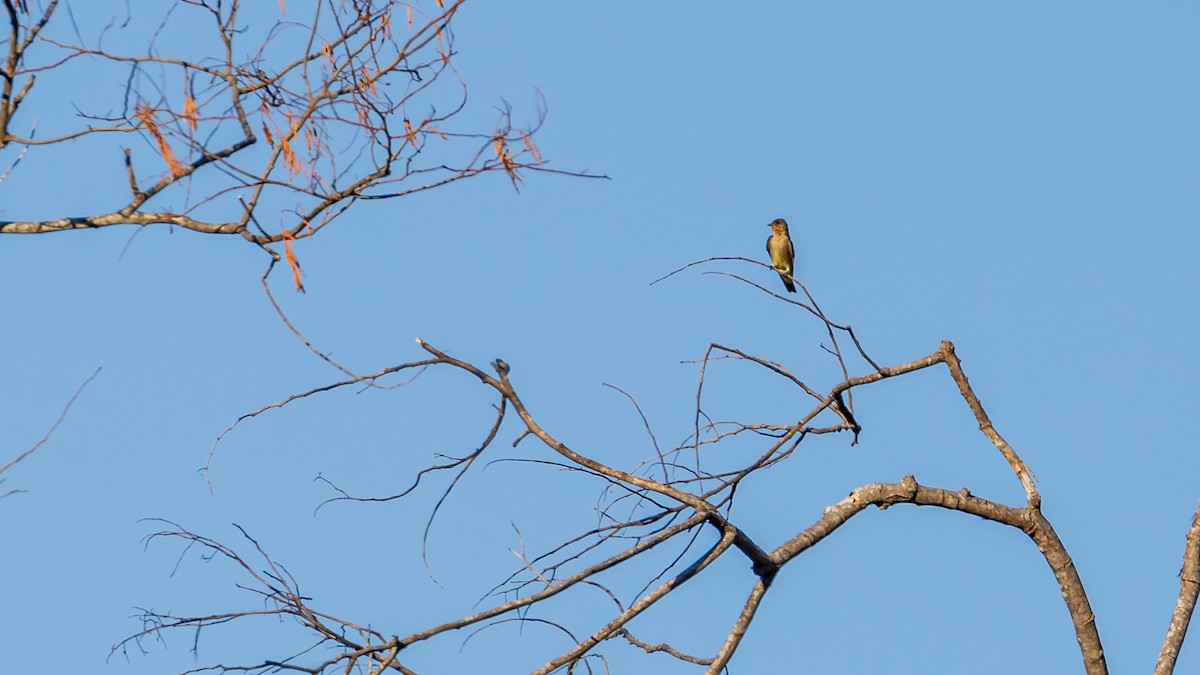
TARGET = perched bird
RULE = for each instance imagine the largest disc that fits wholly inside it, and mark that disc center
(779, 247)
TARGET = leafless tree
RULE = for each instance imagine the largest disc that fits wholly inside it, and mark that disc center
(685, 493)
(357, 101)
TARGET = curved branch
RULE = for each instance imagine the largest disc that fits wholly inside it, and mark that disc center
(1029, 520)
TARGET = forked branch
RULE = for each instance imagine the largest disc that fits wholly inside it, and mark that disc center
(287, 123)
(689, 497)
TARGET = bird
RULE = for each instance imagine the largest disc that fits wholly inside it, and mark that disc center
(779, 247)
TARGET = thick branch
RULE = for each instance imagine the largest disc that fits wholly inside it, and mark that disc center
(109, 219)
(1189, 589)
(1071, 585)
(1028, 520)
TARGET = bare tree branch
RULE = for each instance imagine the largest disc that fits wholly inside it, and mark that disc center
(292, 136)
(1189, 589)
(705, 506)
(49, 432)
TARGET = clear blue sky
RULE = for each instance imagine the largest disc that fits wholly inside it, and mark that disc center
(1020, 178)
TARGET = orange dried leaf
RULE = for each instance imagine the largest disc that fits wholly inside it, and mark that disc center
(408, 10)
(146, 116)
(191, 112)
(445, 55)
(282, 8)
(500, 145)
(289, 158)
(267, 133)
(367, 83)
(289, 154)
(410, 136)
(532, 148)
(312, 142)
(290, 256)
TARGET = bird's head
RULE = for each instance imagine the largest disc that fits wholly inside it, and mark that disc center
(779, 226)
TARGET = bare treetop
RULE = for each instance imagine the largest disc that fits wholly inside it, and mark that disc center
(264, 131)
